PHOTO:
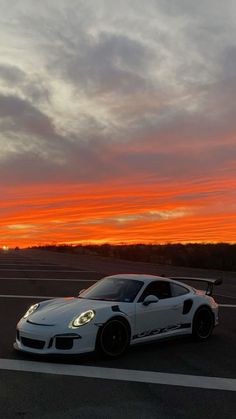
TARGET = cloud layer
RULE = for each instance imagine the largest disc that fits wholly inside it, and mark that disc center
(117, 97)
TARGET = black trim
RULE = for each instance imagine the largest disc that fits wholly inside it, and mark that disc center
(116, 309)
(185, 325)
(50, 343)
(39, 324)
(187, 306)
(32, 343)
(68, 335)
(64, 341)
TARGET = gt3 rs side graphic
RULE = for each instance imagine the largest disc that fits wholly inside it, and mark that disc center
(153, 332)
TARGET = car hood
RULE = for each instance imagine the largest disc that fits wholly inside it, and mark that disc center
(62, 310)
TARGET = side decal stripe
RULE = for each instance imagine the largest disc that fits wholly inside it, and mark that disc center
(154, 332)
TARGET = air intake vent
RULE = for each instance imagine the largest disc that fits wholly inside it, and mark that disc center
(33, 343)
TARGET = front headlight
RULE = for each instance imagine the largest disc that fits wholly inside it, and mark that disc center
(31, 310)
(83, 318)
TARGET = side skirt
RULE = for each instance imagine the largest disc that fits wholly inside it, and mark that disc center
(157, 334)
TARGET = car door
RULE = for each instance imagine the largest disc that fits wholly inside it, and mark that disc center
(157, 318)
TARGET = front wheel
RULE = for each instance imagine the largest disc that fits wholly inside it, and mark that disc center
(203, 324)
(113, 338)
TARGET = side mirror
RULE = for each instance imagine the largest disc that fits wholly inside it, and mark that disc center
(150, 299)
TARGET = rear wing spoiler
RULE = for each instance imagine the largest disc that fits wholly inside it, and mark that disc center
(210, 282)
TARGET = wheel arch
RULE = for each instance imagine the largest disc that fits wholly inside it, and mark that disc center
(206, 306)
(119, 317)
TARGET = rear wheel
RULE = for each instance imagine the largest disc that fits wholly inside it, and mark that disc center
(203, 324)
(113, 338)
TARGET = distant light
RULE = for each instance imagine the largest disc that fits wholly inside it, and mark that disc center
(5, 248)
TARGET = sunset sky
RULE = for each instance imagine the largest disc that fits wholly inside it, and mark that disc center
(117, 121)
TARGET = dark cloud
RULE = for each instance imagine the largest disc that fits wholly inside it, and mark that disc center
(24, 117)
(207, 11)
(119, 91)
(11, 74)
(112, 63)
(104, 61)
(92, 162)
(107, 63)
(31, 86)
(228, 64)
(37, 91)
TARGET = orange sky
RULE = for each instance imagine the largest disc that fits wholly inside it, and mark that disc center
(118, 213)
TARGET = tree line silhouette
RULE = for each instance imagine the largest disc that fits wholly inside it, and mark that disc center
(220, 256)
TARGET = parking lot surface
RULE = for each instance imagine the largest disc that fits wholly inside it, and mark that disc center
(172, 379)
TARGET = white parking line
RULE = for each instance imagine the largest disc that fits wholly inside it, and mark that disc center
(227, 305)
(225, 296)
(28, 296)
(150, 377)
(45, 270)
(50, 279)
(20, 264)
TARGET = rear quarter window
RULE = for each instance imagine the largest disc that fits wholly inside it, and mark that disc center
(178, 290)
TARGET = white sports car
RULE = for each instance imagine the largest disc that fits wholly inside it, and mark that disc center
(116, 312)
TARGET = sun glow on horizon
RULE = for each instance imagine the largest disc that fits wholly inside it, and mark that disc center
(120, 214)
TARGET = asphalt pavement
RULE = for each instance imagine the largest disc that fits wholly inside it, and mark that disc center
(171, 379)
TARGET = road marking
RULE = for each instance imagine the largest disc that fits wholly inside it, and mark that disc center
(20, 264)
(225, 296)
(227, 305)
(28, 296)
(150, 377)
(45, 270)
(50, 279)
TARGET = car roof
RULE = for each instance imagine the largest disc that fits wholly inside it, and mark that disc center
(149, 278)
(140, 277)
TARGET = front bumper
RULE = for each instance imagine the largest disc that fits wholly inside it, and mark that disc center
(46, 340)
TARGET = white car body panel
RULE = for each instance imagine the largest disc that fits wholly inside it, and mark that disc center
(155, 316)
(51, 321)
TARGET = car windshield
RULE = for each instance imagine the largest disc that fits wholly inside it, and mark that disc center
(113, 289)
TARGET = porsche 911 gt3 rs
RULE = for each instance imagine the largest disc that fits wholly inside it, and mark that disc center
(116, 312)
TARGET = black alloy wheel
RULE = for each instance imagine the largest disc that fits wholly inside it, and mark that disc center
(114, 338)
(203, 324)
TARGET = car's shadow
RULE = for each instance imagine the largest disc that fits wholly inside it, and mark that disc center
(143, 355)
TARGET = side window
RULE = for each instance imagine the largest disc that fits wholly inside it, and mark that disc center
(161, 289)
(178, 290)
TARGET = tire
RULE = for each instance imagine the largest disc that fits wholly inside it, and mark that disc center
(113, 338)
(203, 324)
